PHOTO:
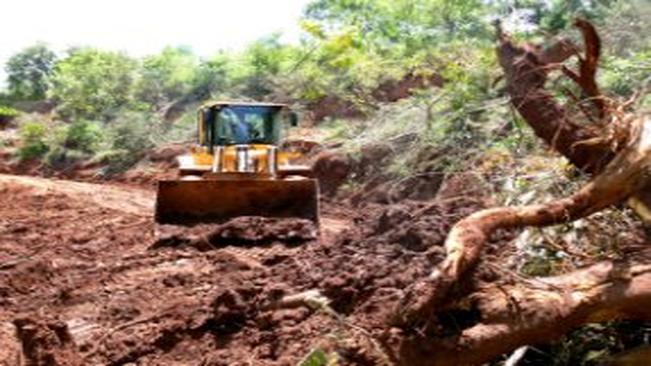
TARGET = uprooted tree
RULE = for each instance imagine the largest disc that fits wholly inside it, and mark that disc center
(598, 135)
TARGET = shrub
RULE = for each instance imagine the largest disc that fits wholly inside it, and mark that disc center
(7, 114)
(83, 136)
(131, 132)
(58, 157)
(128, 137)
(33, 141)
(70, 143)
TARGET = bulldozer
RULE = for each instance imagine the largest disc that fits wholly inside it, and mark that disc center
(238, 168)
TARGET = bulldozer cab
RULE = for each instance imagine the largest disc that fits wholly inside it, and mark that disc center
(225, 124)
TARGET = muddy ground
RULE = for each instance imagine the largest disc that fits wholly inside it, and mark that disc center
(86, 278)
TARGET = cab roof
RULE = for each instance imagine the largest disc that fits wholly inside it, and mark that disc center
(222, 103)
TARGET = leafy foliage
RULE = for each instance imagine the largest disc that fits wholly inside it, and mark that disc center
(28, 72)
(80, 135)
(626, 76)
(93, 84)
(167, 76)
(33, 141)
(129, 136)
(131, 131)
(262, 61)
(319, 357)
(8, 112)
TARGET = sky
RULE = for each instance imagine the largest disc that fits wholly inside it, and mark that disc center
(142, 27)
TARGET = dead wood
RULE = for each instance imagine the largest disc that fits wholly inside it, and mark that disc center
(588, 65)
(623, 178)
(620, 158)
(526, 68)
(540, 311)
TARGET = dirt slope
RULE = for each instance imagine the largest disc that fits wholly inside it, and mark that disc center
(84, 280)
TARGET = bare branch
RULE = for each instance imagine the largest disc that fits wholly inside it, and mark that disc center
(588, 64)
(525, 70)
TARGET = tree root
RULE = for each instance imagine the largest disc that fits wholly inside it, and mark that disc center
(629, 173)
(616, 148)
(521, 314)
(526, 69)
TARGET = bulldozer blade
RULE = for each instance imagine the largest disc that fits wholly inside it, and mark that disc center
(188, 202)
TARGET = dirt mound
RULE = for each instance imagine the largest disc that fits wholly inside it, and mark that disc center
(10, 348)
(167, 153)
(422, 187)
(331, 170)
(46, 342)
(241, 231)
(156, 164)
(391, 90)
(10, 165)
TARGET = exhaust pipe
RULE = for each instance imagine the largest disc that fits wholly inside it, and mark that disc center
(242, 158)
(218, 159)
(272, 161)
(243, 162)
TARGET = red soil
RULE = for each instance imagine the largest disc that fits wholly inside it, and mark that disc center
(87, 278)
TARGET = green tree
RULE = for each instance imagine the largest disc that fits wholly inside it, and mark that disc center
(403, 25)
(28, 72)
(261, 63)
(176, 75)
(560, 13)
(167, 76)
(355, 46)
(93, 84)
(213, 77)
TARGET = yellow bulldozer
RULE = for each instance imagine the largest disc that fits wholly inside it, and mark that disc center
(237, 168)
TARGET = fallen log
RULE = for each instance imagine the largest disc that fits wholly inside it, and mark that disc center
(540, 311)
(628, 174)
(617, 151)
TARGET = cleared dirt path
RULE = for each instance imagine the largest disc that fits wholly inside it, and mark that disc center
(121, 198)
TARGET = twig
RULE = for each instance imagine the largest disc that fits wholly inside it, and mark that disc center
(516, 356)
